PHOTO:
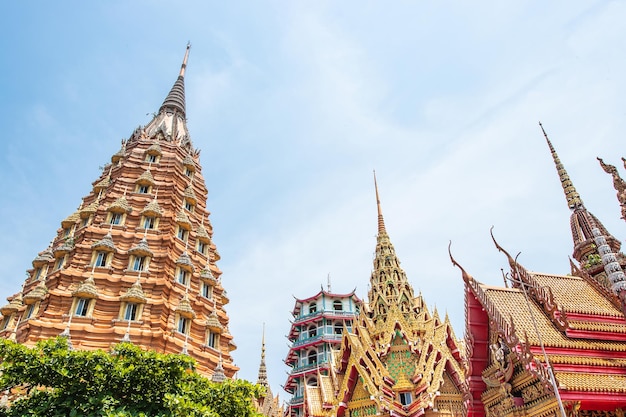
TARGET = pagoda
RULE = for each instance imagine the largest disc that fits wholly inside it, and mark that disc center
(318, 326)
(136, 261)
(551, 344)
(398, 359)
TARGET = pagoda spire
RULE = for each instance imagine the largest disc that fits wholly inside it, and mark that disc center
(389, 286)
(573, 198)
(262, 379)
(381, 220)
(582, 221)
(175, 100)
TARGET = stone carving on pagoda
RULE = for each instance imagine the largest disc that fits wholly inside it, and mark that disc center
(136, 261)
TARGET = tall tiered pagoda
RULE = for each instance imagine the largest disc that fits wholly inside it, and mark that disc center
(318, 326)
(398, 359)
(136, 261)
(548, 344)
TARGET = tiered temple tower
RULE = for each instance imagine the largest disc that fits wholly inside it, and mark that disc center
(316, 332)
(398, 359)
(136, 261)
(551, 344)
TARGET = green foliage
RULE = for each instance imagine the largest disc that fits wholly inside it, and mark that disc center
(592, 260)
(129, 382)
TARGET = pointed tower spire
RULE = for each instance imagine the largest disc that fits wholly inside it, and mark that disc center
(573, 198)
(175, 100)
(389, 284)
(381, 220)
(262, 380)
(582, 222)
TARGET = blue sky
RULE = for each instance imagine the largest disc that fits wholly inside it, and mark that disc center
(294, 104)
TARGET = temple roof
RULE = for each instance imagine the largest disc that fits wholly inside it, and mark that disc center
(511, 305)
(328, 294)
(575, 295)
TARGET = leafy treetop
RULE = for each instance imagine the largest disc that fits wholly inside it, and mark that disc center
(52, 380)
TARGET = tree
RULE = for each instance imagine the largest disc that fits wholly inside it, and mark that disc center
(53, 380)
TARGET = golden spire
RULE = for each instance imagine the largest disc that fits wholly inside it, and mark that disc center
(381, 221)
(388, 283)
(573, 198)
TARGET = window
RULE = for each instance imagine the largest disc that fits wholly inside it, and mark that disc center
(139, 263)
(182, 234)
(66, 232)
(115, 218)
(59, 263)
(130, 311)
(183, 325)
(188, 206)
(5, 322)
(338, 328)
(405, 398)
(206, 290)
(37, 273)
(143, 189)
(149, 222)
(82, 307)
(183, 277)
(312, 331)
(337, 305)
(202, 247)
(188, 172)
(101, 258)
(152, 158)
(29, 311)
(213, 340)
(85, 222)
(312, 357)
(312, 308)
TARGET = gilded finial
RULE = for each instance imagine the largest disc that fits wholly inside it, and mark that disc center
(573, 198)
(381, 221)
